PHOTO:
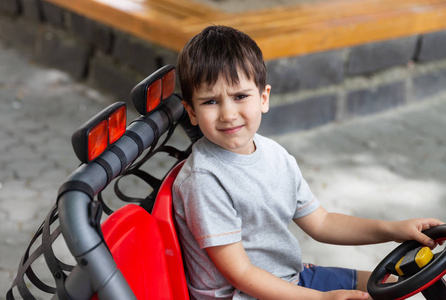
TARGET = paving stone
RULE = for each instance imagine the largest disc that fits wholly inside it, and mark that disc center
(32, 9)
(55, 145)
(306, 72)
(49, 180)
(432, 46)
(93, 32)
(25, 125)
(27, 169)
(23, 210)
(37, 140)
(11, 7)
(11, 261)
(53, 14)
(373, 57)
(13, 234)
(140, 56)
(113, 78)
(6, 278)
(54, 48)
(429, 85)
(19, 34)
(22, 151)
(367, 101)
(166, 57)
(7, 142)
(305, 114)
(16, 191)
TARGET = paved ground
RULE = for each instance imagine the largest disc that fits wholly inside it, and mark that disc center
(390, 166)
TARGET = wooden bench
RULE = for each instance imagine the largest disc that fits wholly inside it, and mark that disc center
(280, 32)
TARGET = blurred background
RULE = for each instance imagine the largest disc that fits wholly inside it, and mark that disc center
(358, 97)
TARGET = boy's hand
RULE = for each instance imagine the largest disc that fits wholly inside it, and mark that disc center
(411, 230)
(345, 295)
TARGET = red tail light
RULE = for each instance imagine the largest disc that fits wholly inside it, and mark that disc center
(117, 124)
(168, 84)
(95, 135)
(97, 140)
(153, 95)
(148, 94)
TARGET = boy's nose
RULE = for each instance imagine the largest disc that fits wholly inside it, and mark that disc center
(228, 113)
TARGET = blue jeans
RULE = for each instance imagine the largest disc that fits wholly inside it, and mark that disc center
(327, 278)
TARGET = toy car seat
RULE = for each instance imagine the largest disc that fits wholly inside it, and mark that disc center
(146, 248)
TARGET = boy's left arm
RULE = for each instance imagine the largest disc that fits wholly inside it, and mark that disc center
(334, 228)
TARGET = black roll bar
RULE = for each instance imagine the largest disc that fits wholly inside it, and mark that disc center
(96, 271)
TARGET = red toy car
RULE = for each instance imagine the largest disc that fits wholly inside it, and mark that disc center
(135, 252)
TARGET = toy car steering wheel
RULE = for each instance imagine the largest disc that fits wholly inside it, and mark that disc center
(427, 279)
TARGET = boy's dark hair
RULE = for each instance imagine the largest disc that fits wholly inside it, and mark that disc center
(219, 50)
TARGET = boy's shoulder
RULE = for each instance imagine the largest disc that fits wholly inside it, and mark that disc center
(202, 158)
(271, 146)
(201, 162)
(263, 140)
(204, 151)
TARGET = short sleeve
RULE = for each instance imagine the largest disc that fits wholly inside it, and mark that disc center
(208, 210)
(306, 201)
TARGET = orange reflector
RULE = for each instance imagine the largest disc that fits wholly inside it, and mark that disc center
(168, 84)
(117, 124)
(153, 95)
(97, 140)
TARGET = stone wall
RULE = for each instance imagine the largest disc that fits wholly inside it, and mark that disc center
(307, 91)
(335, 85)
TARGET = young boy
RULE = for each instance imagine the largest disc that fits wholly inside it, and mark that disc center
(238, 191)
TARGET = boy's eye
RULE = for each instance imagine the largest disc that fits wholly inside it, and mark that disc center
(240, 97)
(209, 102)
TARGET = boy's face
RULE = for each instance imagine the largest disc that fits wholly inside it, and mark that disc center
(230, 115)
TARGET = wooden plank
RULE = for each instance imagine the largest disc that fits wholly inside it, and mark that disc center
(344, 35)
(349, 20)
(297, 17)
(316, 30)
(291, 16)
(281, 31)
(140, 20)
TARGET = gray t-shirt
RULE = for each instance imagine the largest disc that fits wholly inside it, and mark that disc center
(221, 198)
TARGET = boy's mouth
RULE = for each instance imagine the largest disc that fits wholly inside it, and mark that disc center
(231, 130)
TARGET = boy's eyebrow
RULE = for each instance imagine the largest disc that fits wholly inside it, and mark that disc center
(211, 95)
(205, 98)
(244, 91)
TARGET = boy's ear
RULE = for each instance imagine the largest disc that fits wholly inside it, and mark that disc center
(265, 98)
(191, 112)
